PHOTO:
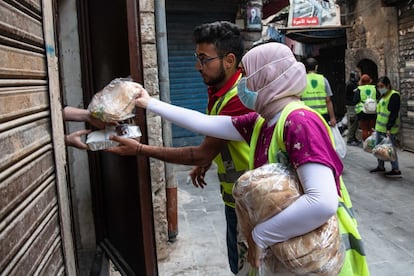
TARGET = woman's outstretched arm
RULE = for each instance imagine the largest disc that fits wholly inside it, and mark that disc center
(216, 126)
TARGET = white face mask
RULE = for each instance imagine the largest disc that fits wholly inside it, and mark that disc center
(382, 90)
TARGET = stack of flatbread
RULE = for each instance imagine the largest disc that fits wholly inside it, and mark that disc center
(115, 102)
(263, 193)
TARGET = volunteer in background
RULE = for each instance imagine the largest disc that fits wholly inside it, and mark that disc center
(350, 87)
(364, 91)
(219, 49)
(388, 122)
(318, 92)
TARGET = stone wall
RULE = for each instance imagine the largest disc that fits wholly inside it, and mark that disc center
(373, 35)
(157, 168)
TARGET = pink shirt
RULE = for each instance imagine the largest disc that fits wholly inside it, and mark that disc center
(305, 138)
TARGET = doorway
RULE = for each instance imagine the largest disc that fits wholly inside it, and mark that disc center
(369, 67)
(121, 187)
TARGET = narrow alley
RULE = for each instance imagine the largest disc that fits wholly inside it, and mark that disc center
(382, 206)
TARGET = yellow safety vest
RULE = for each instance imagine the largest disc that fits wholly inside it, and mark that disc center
(355, 261)
(383, 114)
(366, 91)
(233, 160)
(314, 95)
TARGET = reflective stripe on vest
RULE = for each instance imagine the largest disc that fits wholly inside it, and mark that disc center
(232, 161)
(314, 95)
(355, 261)
(383, 115)
(366, 91)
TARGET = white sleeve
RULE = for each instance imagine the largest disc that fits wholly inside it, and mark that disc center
(328, 89)
(318, 203)
(209, 125)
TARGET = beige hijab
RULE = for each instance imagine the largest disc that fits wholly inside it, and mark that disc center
(272, 71)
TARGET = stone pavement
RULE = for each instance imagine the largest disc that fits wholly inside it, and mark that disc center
(383, 208)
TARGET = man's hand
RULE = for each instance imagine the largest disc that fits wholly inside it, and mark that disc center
(127, 146)
(197, 175)
(74, 139)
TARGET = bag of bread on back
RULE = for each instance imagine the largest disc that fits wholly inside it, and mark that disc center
(115, 102)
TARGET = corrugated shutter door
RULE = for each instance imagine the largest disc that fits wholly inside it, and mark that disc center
(406, 45)
(30, 237)
(187, 88)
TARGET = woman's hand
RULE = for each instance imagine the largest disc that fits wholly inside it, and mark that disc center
(142, 98)
(127, 146)
(255, 254)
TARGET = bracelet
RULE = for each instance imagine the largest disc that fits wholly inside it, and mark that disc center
(139, 149)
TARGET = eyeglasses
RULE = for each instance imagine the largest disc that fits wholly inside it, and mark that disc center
(203, 60)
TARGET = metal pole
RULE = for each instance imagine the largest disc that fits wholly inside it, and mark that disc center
(164, 82)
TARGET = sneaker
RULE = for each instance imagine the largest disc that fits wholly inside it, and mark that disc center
(353, 143)
(393, 173)
(377, 169)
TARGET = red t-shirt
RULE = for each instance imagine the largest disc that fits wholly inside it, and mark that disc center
(234, 107)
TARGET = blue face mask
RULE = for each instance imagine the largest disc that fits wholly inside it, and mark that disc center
(247, 97)
(382, 90)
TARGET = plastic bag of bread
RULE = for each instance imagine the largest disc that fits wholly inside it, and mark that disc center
(264, 192)
(370, 142)
(319, 252)
(115, 102)
(385, 150)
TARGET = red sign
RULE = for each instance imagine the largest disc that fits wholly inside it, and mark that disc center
(305, 21)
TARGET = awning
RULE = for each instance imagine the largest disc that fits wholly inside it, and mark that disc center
(316, 35)
(273, 6)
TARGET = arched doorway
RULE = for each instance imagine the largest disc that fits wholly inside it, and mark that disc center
(367, 66)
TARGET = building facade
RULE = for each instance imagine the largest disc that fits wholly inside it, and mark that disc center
(380, 42)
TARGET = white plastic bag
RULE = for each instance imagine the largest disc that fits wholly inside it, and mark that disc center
(370, 142)
(370, 106)
(99, 139)
(340, 145)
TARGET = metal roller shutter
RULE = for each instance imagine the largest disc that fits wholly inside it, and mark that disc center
(31, 239)
(187, 88)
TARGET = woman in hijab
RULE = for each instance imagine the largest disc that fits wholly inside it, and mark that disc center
(272, 83)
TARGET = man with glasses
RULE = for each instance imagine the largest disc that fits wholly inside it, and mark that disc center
(219, 49)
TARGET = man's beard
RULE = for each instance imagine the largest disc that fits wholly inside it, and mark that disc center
(218, 79)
